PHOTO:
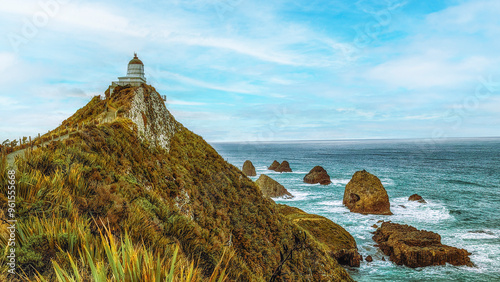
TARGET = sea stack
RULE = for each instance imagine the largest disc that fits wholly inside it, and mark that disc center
(248, 168)
(416, 197)
(406, 245)
(284, 167)
(274, 165)
(271, 188)
(317, 175)
(365, 194)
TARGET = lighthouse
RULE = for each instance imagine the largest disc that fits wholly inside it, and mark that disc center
(135, 75)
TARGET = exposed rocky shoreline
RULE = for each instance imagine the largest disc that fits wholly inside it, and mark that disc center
(406, 245)
(365, 194)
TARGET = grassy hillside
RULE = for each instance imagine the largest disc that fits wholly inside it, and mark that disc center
(105, 203)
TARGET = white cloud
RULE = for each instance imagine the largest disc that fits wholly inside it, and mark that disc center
(429, 70)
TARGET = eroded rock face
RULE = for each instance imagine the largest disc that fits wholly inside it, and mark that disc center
(340, 243)
(416, 197)
(406, 245)
(271, 188)
(248, 168)
(274, 165)
(317, 175)
(154, 122)
(365, 194)
(284, 167)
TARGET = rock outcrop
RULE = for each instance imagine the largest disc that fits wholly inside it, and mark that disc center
(338, 242)
(369, 259)
(317, 175)
(284, 167)
(271, 188)
(274, 165)
(365, 194)
(248, 168)
(416, 197)
(154, 122)
(406, 245)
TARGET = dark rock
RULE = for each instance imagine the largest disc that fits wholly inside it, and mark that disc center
(380, 221)
(317, 175)
(369, 259)
(406, 245)
(403, 206)
(284, 167)
(274, 165)
(271, 188)
(248, 168)
(375, 226)
(416, 197)
(365, 194)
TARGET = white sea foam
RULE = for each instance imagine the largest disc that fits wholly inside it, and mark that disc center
(412, 211)
(297, 196)
(387, 181)
(338, 182)
(479, 235)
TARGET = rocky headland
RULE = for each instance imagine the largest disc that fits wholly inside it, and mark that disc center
(159, 187)
(334, 238)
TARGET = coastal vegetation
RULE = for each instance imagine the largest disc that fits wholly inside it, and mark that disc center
(104, 204)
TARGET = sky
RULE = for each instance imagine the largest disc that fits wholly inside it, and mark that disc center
(239, 70)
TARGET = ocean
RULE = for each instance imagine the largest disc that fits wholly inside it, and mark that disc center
(459, 179)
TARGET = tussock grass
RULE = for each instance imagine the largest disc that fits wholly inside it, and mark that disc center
(102, 205)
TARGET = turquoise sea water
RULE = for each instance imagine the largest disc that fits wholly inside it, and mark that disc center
(459, 179)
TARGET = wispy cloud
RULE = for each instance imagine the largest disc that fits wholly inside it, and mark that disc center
(234, 68)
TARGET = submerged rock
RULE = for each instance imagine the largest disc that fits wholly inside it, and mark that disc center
(365, 194)
(274, 165)
(248, 168)
(406, 245)
(416, 197)
(271, 188)
(284, 167)
(317, 175)
(338, 241)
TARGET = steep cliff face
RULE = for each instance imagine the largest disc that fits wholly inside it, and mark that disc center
(154, 122)
(142, 173)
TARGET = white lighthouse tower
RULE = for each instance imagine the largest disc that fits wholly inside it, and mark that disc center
(135, 75)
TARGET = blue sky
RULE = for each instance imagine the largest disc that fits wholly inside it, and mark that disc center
(239, 70)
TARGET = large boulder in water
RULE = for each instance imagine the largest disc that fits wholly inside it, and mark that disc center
(406, 245)
(365, 194)
(284, 167)
(271, 188)
(274, 165)
(416, 197)
(336, 240)
(317, 175)
(248, 168)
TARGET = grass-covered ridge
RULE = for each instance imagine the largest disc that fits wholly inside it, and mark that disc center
(103, 190)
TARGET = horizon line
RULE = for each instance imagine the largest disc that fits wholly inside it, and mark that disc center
(359, 139)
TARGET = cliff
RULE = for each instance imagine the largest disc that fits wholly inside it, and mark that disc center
(133, 184)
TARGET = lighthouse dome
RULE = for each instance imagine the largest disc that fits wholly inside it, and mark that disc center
(135, 67)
